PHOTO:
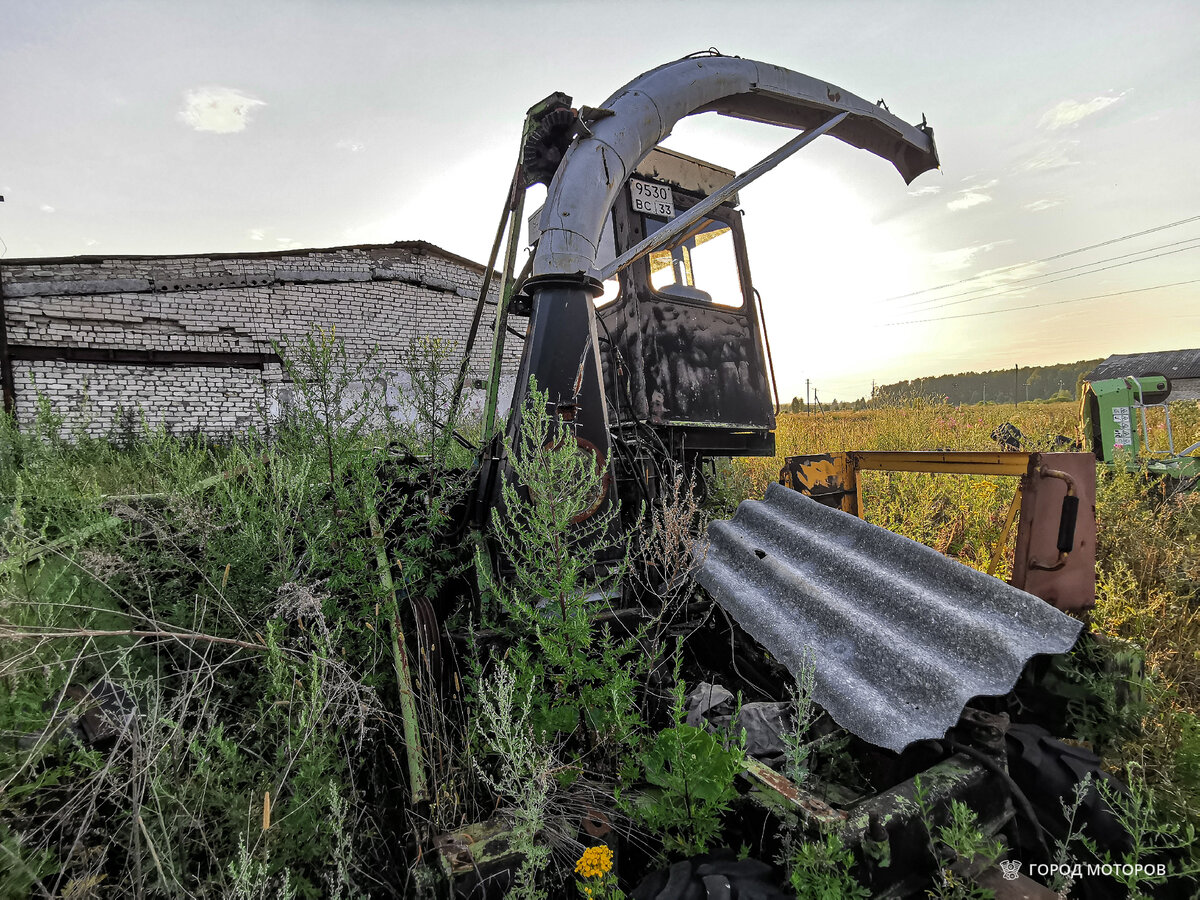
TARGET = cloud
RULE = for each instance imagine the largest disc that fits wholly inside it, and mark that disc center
(46, 208)
(217, 109)
(1055, 155)
(286, 243)
(1040, 205)
(925, 191)
(1070, 113)
(347, 144)
(973, 194)
(257, 234)
(967, 199)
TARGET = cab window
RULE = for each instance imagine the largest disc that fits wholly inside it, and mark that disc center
(701, 265)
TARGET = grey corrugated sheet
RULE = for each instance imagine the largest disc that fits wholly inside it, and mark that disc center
(1172, 363)
(902, 636)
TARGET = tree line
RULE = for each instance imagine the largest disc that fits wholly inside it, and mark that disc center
(1056, 382)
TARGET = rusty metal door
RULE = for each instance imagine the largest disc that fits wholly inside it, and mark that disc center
(1065, 578)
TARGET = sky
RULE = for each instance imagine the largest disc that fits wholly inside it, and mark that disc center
(170, 127)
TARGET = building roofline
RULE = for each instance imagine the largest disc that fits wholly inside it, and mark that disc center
(419, 246)
(1184, 362)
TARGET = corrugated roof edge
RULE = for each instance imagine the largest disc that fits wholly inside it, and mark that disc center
(1183, 363)
(902, 637)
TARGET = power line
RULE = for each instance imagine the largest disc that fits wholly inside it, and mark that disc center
(1116, 240)
(1056, 280)
(917, 306)
(992, 312)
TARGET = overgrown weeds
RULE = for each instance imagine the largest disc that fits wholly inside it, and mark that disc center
(200, 690)
(218, 673)
(261, 610)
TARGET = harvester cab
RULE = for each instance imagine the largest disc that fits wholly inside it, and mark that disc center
(686, 351)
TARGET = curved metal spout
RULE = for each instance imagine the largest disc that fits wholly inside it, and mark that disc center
(644, 112)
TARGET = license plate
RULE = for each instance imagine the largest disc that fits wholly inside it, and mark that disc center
(652, 199)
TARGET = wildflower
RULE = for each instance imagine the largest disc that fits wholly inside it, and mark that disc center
(596, 862)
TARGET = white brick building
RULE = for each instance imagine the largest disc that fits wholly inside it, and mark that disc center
(187, 340)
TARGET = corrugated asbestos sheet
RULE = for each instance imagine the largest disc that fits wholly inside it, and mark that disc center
(902, 636)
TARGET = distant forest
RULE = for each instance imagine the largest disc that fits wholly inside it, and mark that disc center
(1058, 382)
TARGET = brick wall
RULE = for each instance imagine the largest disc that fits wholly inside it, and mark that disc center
(209, 321)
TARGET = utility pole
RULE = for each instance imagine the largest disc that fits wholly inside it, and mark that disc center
(807, 398)
(1027, 392)
(1016, 384)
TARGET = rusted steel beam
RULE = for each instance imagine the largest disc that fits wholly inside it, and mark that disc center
(13, 564)
(418, 782)
(16, 562)
(813, 812)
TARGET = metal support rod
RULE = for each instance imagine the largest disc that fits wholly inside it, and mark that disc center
(680, 225)
(408, 706)
(762, 321)
(507, 287)
(854, 493)
(1008, 521)
(461, 380)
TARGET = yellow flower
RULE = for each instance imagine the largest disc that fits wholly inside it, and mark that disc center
(596, 862)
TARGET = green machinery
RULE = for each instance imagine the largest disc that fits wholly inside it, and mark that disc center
(1115, 423)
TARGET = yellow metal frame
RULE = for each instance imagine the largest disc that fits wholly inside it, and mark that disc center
(953, 462)
(843, 468)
